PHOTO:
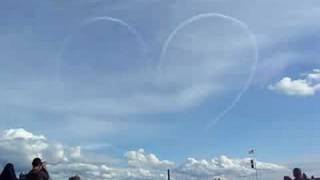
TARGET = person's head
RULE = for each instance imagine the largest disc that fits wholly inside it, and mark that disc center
(75, 178)
(286, 178)
(36, 163)
(8, 172)
(9, 166)
(297, 173)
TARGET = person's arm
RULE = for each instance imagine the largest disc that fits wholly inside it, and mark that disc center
(44, 173)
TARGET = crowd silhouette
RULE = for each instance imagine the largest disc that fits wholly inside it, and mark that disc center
(38, 172)
(299, 175)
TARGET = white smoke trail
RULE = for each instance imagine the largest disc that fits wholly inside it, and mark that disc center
(87, 22)
(252, 38)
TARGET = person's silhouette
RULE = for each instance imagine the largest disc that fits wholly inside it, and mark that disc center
(39, 170)
(287, 178)
(8, 173)
(297, 174)
(75, 178)
(304, 176)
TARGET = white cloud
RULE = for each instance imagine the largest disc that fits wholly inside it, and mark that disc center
(12, 134)
(224, 167)
(297, 87)
(21, 146)
(308, 86)
(141, 159)
(314, 76)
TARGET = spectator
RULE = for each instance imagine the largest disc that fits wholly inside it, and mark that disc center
(297, 174)
(8, 173)
(75, 178)
(39, 170)
(304, 176)
(287, 178)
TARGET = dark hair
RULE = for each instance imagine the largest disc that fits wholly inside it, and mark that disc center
(8, 172)
(36, 162)
(75, 178)
(297, 172)
(287, 178)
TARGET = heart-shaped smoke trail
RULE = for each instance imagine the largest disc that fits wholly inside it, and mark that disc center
(165, 47)
(87, 22)
(252, 38)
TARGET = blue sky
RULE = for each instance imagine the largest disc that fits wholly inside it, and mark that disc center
(109, 85)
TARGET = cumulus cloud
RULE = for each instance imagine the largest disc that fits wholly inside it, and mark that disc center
(223, 167)
(21, 146)
(308, 86)
(315, 75)
(141, 159)
(299, 87)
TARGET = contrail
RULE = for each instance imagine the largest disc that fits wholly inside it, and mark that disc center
(252, 39)
(87, 22)
(130, 28)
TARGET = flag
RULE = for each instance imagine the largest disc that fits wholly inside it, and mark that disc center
(251, 151)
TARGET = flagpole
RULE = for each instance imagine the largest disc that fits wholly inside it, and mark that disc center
(254, 163)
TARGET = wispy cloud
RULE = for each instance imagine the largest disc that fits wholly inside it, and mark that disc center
(204, 60)
(201, 61)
